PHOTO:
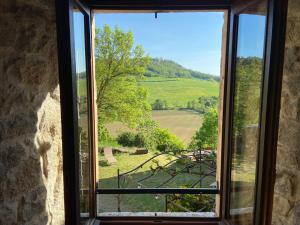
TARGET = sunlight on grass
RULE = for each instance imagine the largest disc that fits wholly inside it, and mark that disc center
(126, 162)
(177, 92)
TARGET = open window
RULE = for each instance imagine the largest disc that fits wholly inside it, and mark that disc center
(237, 193)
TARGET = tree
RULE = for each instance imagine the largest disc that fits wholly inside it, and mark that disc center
(118, 66)
(207, 102)
(159, 105)
(207, 135)
(247, 92)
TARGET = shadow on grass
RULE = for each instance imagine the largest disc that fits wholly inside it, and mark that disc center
(175, 175)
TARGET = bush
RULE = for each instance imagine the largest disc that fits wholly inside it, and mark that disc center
(140, 140)
(160, 105)
(195, 203)
(166, 141)
(150, 136)
(131, 139)
(126, 139)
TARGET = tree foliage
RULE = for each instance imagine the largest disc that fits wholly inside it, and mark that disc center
(204, 104)
(118, 66)
(207, 135)
(192, 202)
(166, 141)
(247, 93)
(152, 137)
(160, 105)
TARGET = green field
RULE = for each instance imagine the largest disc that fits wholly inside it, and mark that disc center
(178, 91)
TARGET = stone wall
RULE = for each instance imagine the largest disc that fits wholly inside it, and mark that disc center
(31, 180)
(286, 206)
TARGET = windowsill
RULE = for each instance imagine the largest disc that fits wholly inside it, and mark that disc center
(159, 214)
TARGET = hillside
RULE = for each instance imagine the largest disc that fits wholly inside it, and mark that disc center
(178, 91)
(171, 69)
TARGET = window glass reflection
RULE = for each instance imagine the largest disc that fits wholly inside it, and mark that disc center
(247, 102)
(82, 108)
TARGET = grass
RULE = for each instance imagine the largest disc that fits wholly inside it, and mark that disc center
(178, 91)
(126, 162)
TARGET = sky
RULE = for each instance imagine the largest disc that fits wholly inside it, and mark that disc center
(251, 35)
(79, 41)
(192, 39)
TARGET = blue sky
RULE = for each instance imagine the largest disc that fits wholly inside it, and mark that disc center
(79, 41)
(251, 35)
(191, 39)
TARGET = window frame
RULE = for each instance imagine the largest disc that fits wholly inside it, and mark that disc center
(174, 6)
(270, 108)
(276, 24)
(69, 112)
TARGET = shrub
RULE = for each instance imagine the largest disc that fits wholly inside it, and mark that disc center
(195, 203)
(150, 136)
(166, 141)
(159, 105)
(126, 139)
(140, 140)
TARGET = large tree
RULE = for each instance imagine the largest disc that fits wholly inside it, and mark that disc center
(119, 64)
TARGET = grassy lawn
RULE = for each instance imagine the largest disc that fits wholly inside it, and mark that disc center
(178, 91)
(145, 202)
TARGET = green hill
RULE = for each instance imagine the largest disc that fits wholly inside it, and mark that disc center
(175, 85)
(177, 92)
(171, 69)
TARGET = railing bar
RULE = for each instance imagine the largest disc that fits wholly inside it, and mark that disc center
(159, 191)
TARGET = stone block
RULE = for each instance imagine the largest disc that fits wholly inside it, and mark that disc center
(293, 32)
(284, 185)
(282, 206)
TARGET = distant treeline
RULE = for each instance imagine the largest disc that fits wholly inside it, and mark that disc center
(168, 68)
(202, 105)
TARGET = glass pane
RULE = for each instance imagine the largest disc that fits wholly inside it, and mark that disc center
(176, 204)
(247, 103)
(82, 107)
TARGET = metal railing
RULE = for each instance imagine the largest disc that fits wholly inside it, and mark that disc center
(199, 163)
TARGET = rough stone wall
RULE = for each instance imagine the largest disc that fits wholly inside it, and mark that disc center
(31, 179)
(286, 205)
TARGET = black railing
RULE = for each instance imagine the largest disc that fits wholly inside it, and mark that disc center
(189, 165)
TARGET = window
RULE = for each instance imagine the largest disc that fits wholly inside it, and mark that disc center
(157, 116)
(256, 70)
(249, 66)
